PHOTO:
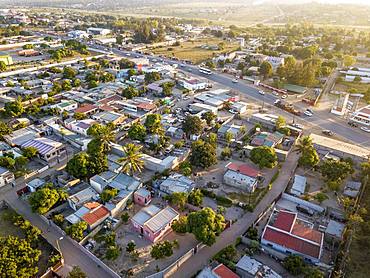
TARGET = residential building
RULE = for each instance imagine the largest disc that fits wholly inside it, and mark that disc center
(35, 184)
(154, 223)
(65, 105)
(267, 139)
(98, 31)
(109, 117)
(220, 271)
(96, 215)
(87, 109)
(142, 197)
(21, 136)
(77, 34)
(75, 201)
(175, 183)
(48, 150)
(288, 234)
(6, 177)
(193, 84)
(266, 120)
(240, 107)
(81, 126)
(198, 107)
(230, 128)
(248, 267)
(160, 165)
(241, 176)
(299, 185)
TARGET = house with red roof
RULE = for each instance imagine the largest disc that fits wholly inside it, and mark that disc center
(220, 271)
(288, 234)
(242, 176)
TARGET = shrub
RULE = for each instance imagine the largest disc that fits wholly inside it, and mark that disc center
(180, 226)
(224, 201)
(125, 217)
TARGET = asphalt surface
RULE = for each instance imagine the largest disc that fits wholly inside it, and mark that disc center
(321, 120)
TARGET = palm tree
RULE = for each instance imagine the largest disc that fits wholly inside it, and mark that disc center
(103, 134)
(304, 144)
(132, 160)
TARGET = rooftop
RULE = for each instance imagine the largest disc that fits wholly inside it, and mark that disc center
(95, 215)
(243, 169)
(43, 145)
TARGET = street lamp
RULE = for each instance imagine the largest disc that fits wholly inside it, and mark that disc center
(58, 247)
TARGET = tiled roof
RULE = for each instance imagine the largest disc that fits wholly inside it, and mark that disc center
(95, 215)
(285, 220)
(86, 108)
(223, 272)
(306, 233)
(146, 106)
(243, 169)
(291, 242)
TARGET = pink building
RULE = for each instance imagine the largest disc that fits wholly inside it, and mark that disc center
(142, 197)
(153, 223)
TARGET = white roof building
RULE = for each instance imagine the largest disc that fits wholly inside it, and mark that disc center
(299, 185)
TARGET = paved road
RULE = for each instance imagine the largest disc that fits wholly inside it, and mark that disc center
(201, 259)
(72, 254)
(319, 121)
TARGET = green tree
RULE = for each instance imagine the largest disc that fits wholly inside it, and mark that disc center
(203, 154)
(264, 156)
(348, 60)
(209, 116)
(112, 253)
(309, 158)
(45, 198)
(333, 170)
(20, 162)
(130, 92)
(304, 143)
(266, 69)
(167, 88)
(153, 123)
(18, 258)
(185, 168)
(108, 194)
(195, 197)
(78, 166)
(58, 219)
(132, 160)
(192, 125)
(294, 264)
(76, 272)
(152, 77)
(14, 108)
(280, 122)
(66, 85)
(103, 134)
(76, 231)
(29, 152)
(2, 66)
(180, 226)
(4, 130)
(228, 137)
(79, 116)
(313, 272)
(179, 199)
(226, 153)
(130, 247)
(69, 72)
(137, 132)
(205, 224)
(162, 250)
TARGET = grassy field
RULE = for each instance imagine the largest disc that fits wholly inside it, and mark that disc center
(191, 50)
(245, 198)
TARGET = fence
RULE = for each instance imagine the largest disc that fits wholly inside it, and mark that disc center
(39, 171)
(172, 268)
(81, 248)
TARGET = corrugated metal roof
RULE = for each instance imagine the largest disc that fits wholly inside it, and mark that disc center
(161, 219)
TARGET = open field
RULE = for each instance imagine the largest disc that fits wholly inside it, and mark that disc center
(357, 87)
(191, 50)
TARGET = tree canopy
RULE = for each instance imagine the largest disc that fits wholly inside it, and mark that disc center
(205, 224)
(264, 156)
(45, 198)
(137, 132)
(203, 154)
(192, 125)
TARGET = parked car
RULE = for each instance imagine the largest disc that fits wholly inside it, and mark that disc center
(328, 132)
(353, 124)
(235, 80)
(309, 110)
(261, 92)
(366, 129)
(233, 111)
(308, 113)
(297, 126)
(275, 93)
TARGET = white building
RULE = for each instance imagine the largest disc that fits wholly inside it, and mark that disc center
(77, 34)
(81, 126)
(193, 84)
(361, 116)
(98, 31)
(241, 176)
(197, 107)
(299, 185)
(6, 177)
